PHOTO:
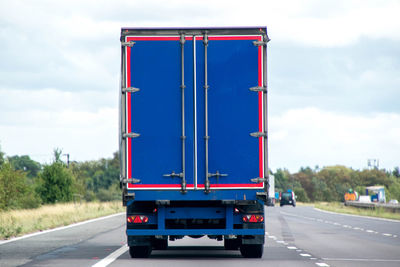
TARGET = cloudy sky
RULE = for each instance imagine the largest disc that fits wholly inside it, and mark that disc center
(334, 75)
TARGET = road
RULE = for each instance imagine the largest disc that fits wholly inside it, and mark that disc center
(300, 236)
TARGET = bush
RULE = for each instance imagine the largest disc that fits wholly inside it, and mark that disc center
(55, 183)
(110, 194)
(15, 192)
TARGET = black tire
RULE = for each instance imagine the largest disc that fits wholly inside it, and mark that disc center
(252, 251)
(160, 244)
(231, 244)
(140, 251)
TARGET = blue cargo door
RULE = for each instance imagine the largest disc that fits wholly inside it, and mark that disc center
(234, 157)
(154, 112)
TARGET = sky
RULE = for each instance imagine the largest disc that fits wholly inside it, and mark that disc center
(333, 75)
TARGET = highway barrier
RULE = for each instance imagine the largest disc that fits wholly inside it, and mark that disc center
(373, 205)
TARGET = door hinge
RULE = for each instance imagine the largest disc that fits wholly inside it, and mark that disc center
(130, 43)
(259, 180)
(131, 181)
(259, 89)
(130, 90)
(262, 43)
(130, 135)
(259, 134)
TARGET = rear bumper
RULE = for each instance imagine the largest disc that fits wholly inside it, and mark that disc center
(152, 232)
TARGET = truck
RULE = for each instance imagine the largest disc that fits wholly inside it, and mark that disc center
(193, 137)
(271, 191)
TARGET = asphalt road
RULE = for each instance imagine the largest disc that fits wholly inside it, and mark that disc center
(300, 236)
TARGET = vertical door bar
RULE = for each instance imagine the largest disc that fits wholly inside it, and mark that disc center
(122, 120)
(206, 137)
(194, 113)
(183, 137)
(265, 104)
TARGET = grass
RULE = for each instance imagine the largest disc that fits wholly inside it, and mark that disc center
(19, 222)
(341, 208)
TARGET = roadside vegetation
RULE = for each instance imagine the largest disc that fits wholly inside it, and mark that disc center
(23, 221)
(341, 208)
(329, 184)
(29, 187)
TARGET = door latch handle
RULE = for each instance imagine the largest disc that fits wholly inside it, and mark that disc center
(173, 174)
(217, 174)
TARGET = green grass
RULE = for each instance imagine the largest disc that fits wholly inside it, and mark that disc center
(19, 222)
(341, 208)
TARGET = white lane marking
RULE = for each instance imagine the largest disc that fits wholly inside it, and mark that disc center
(305, 255)
(2, 242)
(272, 237)
(313, 259)
(291, 247)
(336, 223)
(365, 217)
(322, 264)
(281, 242)
(298, 250)
(112, 257)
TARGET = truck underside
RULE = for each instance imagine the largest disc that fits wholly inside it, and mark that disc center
(151, 224)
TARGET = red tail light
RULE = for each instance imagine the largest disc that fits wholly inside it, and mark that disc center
(253, 218)
(137, 219)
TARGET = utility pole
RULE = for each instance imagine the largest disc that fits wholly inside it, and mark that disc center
(67, 159)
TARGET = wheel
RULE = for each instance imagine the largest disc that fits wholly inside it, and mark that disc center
(160, 244)
(231, 244)
(140, 251)
(252, 251)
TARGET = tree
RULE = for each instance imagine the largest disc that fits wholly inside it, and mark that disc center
(396, 172)
(55, 183)
(15, 192)
(26, 164)
(1, 157)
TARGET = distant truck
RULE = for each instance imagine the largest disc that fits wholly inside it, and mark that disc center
(193, 136)
(271, 191)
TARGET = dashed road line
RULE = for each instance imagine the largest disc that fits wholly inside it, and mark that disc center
(344, 225)
(322, 264)
(305, 255)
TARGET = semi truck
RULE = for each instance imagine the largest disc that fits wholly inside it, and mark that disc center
(193, 136)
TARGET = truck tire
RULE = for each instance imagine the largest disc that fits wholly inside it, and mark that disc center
(231, 244)
(252, 251)
(140, 251)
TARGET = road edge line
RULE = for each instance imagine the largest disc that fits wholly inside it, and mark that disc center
(112, 257)
(360, 216)
(2, 242)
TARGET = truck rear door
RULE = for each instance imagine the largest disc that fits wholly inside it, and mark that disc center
(193, 115)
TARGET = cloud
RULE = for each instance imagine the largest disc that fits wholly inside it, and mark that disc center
(310, 136)
(359, 78)
(83, 124)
